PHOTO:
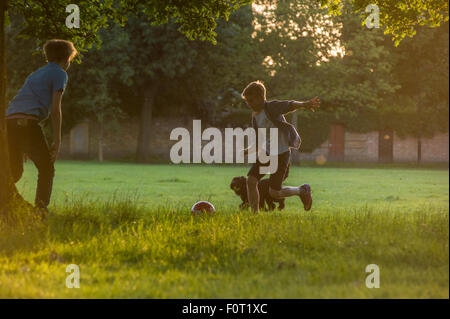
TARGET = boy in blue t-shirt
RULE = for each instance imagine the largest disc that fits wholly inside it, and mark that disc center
(39, 98)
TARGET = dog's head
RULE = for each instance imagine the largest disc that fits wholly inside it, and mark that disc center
(238, 184)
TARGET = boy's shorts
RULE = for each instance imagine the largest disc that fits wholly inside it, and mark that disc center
(276, 180)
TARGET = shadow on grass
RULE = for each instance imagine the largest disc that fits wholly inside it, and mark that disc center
(79, 219)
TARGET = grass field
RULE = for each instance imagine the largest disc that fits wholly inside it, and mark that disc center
(129, 229)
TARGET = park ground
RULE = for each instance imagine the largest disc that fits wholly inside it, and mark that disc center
(129, 229)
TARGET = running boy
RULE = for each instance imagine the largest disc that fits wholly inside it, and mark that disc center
(40, 97)
(270, 114)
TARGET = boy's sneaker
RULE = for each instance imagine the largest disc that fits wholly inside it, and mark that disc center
(305, 196)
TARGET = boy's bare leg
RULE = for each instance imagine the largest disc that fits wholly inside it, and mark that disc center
(304, 192)
(253, 193)
(285, 191)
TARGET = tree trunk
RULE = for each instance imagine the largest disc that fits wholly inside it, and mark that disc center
(144, 151)
(5, 187)
(8, 192)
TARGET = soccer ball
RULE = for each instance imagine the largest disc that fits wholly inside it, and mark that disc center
(202, 207)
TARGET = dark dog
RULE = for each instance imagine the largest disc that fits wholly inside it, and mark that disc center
(239, 186)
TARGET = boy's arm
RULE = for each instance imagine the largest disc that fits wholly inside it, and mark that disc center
(277, 108)
(311, 104)
(56, 123)
(252, 147)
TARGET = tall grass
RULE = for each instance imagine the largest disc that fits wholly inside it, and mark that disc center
(146, 244)
(125, 250)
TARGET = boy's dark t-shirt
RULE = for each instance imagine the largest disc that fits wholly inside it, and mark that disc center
(273, 116)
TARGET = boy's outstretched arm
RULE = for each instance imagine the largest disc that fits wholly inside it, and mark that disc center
(312, 104)
(56, 124)
(285, 107)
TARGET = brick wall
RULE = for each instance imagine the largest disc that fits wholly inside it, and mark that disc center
(361, 147)
(436, 149)
(120, 143)
(358, 147)
(405, 149)
(364, 147)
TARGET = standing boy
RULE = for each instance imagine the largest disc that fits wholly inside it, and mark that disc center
(270, 114)
(39, 98)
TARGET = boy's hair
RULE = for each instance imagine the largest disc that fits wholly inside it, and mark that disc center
(255, 88)
(59, 50)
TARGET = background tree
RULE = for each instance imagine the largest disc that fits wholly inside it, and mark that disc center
(421, 106)
(159, 55)
(220, 72)
(94, 95)
(295, 38)
(399, 18)
(45, 19)
(155, 62)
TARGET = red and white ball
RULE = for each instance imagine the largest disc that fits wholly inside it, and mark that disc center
(203, 207)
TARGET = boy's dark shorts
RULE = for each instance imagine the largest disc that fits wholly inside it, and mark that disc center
(276, 180)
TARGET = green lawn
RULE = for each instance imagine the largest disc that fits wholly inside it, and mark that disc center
(129, 229)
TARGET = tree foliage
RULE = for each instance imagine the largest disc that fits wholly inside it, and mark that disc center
(421, 105)
(399, 18)
(44, 19)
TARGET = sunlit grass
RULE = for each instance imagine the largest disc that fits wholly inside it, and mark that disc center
(136, 244)
(182, 185)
